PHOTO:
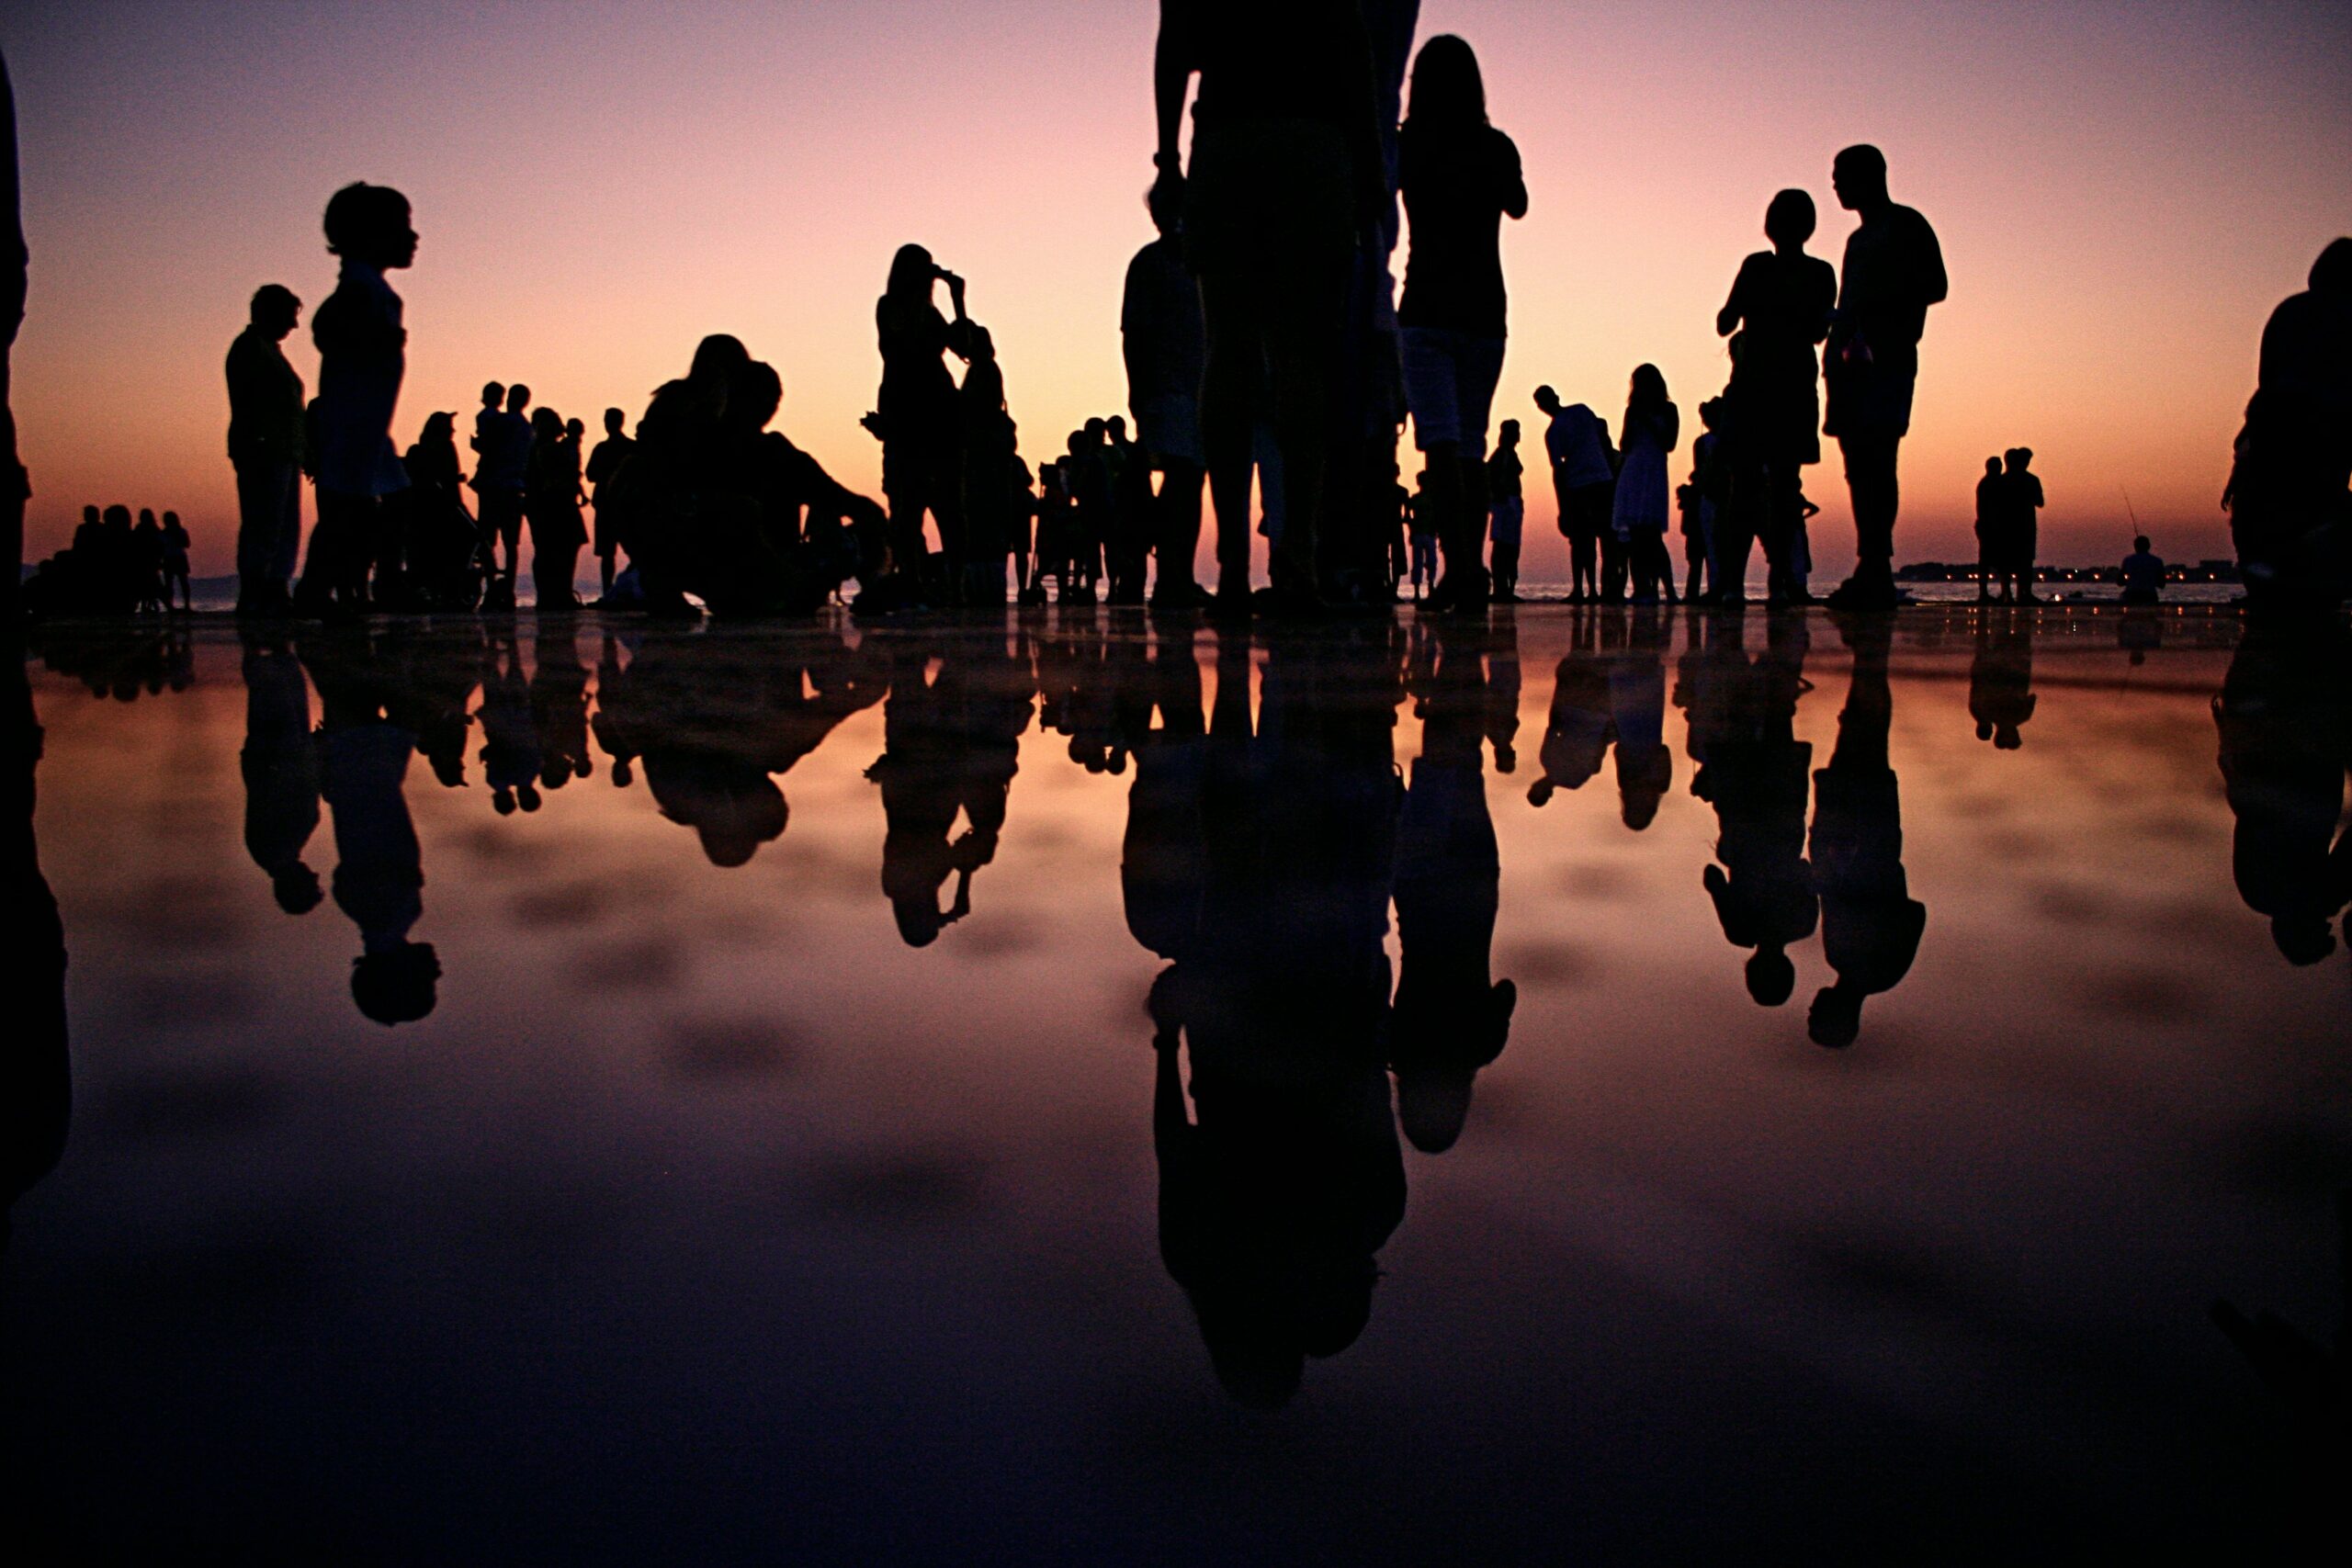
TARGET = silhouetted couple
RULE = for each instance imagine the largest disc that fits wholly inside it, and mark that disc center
(2008, 499)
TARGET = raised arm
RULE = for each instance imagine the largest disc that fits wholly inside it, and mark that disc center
(1174, 58)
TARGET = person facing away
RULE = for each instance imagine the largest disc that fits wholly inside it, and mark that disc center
(2143, 573)
(2290, 506)
(266, 450)
(147, 563)
(1779, 307)
(1505, 512)
(1287, 175)
(1653, 426)
(915, 416)
(603, 464)
(503, 479)
(439, 538)
(1989, 501)
(363, 355)
(1576, 445)
(1165, 344)
(1893, 271)
(1458, 176)
(175, 563)
(552, 502)
(2020, 499)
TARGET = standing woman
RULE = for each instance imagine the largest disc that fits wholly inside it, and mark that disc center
(916, 416)
(558, 530)
(1458, 176)
(1653, 426)
(988, 449)
(1779, 305)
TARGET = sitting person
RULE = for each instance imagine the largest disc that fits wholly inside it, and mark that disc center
(2143, 574)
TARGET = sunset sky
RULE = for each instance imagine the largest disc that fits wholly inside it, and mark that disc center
(2123, 192)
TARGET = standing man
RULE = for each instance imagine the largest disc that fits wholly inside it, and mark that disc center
(363, 355)
(603, 464)
(1506, 509)
(265, 448)
(1165, 346)
(501, 475)
(1893, 271)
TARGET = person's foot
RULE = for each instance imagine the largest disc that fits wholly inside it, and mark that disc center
(2028, 596)
(1230, 605)
(1864, 593)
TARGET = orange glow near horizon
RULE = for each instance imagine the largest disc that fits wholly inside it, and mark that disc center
(2122, 192)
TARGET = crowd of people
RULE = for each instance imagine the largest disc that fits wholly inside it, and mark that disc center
(1271, 361)
(114, 566)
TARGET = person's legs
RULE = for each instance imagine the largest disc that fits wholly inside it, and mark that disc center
(1871, 481)
(1179, 508)
(1229, 391)
(1302, 335)
(338, 553)
(263, 489)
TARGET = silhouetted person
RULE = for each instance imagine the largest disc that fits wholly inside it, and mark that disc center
(363, 353)
(1779, 305)
(915, 416)
(2284, 712)
(1506, 513)
(1166, 346)
(2000, 680)
(1758, 776)
(1870, 923)
(1640, 510)
(1458, 176)
(440, 539)
(986, 446)
(503, 440)
(1893, 271)
(1990, 500)
(2143, 573)
(2288, 498)
(1576, 442)
(380, 872)
(175, 583)
(280, 766)
(1423, 518)
(266, 449)
(510, 750)
(552, 504)
(603, 464)
(147, 563)
(657, 496)
(1450, 1018)
(2020, 499)
(1286, 178)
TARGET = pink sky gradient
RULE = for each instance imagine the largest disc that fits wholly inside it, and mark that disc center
(2123, 193)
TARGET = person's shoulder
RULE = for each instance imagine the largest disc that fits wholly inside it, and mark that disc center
(1502, 147)
(1911, 221)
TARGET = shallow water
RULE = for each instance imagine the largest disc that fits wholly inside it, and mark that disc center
(790, 1159)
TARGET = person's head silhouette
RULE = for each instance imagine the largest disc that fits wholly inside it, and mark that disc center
(275, 309)
(1648, 389)
(756, 394)
(1447, 92)
(90, 515)
(1789, 221)
(546, 424)
(399, 986)
(613, 420)
(573, 429)
(1116, 428)
(1992, 465)
(1835, 1020)
(370, 225)
(438, 427)
(1771, 975)
(146, 519)
(913, 272)
(493, 394)
(1508, 434)
(296, 889)
(2140, 544)
(1547, 399)
(1166, 203)
(2332, 273)
(518, 398)
(1859, 175)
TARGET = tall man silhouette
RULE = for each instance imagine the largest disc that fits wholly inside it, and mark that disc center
(265, 448)
(1286, 175)
(1893, 271)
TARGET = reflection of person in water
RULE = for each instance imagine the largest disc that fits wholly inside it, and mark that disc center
(36, 1078)
(1870, 923)
(1637, 713)
(281, 771)
(510, 750)
(1758, 776)
(1450, 1018)
(2285, 716)
(2000, 678)
(1284, 1181)
(379, 871)
(951, 745)
(1576, 735)
(559, 710)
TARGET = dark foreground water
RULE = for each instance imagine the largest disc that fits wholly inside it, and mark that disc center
(1052, 1090)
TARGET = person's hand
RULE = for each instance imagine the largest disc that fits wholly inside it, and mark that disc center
(1168, 185)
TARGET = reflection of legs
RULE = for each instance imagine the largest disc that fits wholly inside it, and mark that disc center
(1229, 389)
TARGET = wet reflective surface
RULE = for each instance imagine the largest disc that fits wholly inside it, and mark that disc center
(1594, 1083)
